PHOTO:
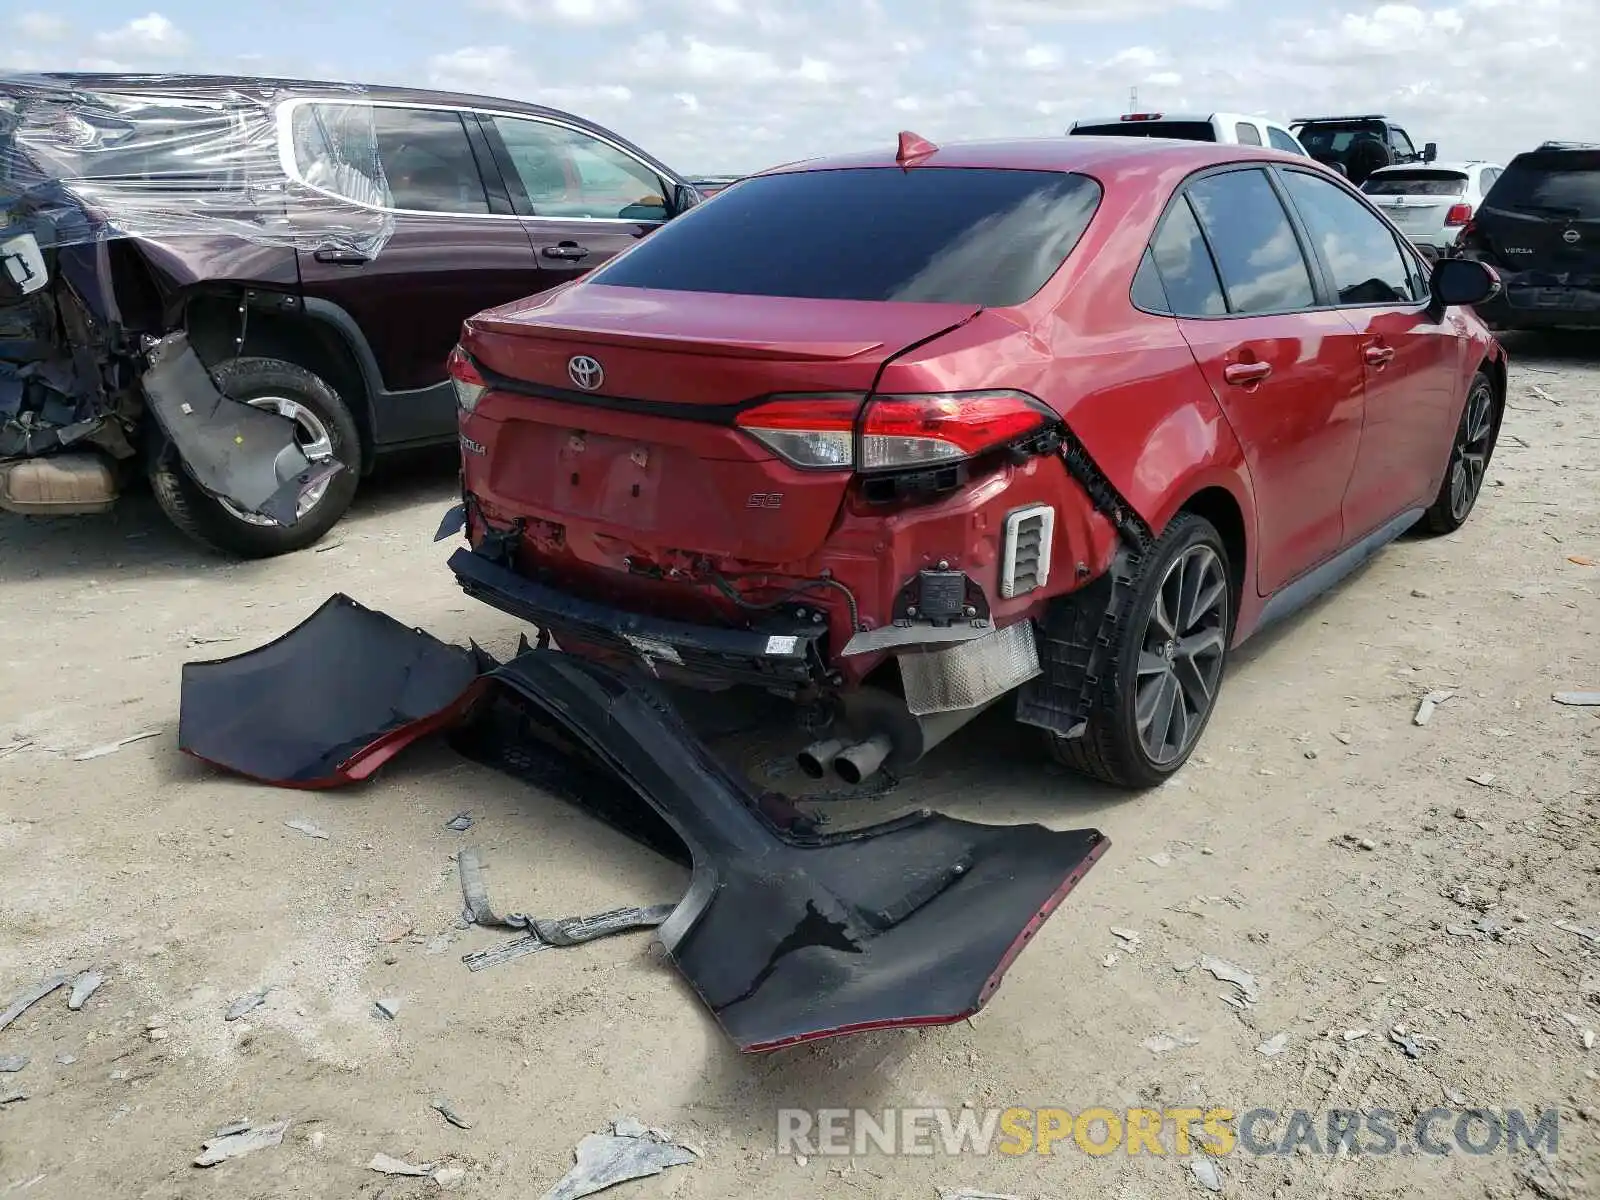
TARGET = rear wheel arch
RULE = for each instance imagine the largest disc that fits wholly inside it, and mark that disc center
(213, 321)
(1221, 508)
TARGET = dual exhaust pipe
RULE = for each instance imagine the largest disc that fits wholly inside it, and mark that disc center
(851, 762)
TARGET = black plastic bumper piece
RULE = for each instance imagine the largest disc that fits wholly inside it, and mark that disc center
(783, 657)
(789, 937)
(326, 703)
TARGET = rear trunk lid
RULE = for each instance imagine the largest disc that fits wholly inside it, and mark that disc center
(1418, 200)
(612, 412)
(1543, 217)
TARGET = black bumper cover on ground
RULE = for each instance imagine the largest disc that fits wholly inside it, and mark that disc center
(786, 935)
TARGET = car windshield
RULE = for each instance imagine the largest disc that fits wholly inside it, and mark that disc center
(1416, 183)
(935, 234)
(1335, 137)
(1183, 131)
(1563, 183)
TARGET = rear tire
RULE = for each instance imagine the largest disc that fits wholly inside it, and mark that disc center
(1470, 451)
(326, 428)
(1169, 658)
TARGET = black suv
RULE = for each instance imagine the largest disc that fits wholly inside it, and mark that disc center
(1358, 146)
(1539, 226)
(245, 289)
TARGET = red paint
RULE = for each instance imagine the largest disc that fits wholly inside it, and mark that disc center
(1305, 422)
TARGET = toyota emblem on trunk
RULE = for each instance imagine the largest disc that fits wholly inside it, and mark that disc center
(1570, 236)
(585, 372)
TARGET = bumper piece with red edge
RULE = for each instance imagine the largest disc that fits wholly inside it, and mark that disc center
(787, 933)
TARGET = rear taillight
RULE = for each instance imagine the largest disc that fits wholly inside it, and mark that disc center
(1459, 214)
(893, 433)
(469, 385)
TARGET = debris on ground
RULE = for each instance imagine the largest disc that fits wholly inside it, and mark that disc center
(447, 1177)
(232, 1128)
(1130, 940)
(1483, 780)
(1161, 1043)
(84, 986)
(1538, 393)
(10, 1064)
(387, 1165)
(1358, 841)
(387, 1007)
(539, 934)
(113, 747)
(448, 1111)
(15, 746)
(1228, 973)
(1429, 702)
(26, 1000)
(1537, 1173)
(12, 1098)
(1355, 1035)
(461, 822)
(300, 825)
(1402, 1037)
(969, 1194)
(1206, 1173)
(1583, 931)
(628, 1151)
(1273, 1046)
(1577, 699)
(246, 1004)
(1582, 560)
(1161, 860)
(245, 1141)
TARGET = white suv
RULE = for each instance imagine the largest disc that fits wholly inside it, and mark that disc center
(1237, 129)
(1431, 202)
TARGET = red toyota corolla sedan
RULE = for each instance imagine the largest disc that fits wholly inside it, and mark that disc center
(905, 434)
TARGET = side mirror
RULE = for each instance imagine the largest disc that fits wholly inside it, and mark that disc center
(1430, 151)
(684, 198)
(1462, 281)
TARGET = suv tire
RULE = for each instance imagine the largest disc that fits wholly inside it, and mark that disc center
(1169, 658)
(321, 414)
(1470, 451)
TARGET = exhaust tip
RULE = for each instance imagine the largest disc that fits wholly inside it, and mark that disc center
(816, 758)
(861, 761)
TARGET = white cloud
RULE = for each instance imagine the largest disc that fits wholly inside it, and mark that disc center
(151, 35)
(564, 12)
(41, 27)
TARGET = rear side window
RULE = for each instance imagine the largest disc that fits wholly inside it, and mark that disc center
(1282, 141)
(1247, 134)
(1257, 252)
(1560, 184)
(427, 160)
(1358, 248)
(938, 234)
(1187, 273)
(1416, 183)
(1183, 131)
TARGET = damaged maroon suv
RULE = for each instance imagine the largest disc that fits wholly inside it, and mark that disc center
(905, 434)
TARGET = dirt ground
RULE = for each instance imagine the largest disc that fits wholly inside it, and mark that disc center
(1321, 840)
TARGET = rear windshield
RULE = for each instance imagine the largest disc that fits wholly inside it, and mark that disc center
(936, 234)
(1416, 183)
(1183, 131)
(1561, 184)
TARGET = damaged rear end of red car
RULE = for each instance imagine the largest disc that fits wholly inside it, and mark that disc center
(818, 469)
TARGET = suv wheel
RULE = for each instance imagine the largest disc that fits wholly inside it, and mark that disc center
(325, 430)
(1169, 660)
(1470, 451)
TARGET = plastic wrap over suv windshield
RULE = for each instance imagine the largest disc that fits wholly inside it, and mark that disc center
(109, 156)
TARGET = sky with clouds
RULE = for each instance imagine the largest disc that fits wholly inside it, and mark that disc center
(735, 85)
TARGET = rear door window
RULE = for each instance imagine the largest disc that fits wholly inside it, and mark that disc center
(1558, 184)
(938, 234)
(568, 173)
(427, 160)
(1184, 265)
(1255, 246)
(1358, 249)
(1246, 133)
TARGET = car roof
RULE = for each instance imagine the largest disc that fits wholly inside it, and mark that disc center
(1183, 116)
(1090, 155)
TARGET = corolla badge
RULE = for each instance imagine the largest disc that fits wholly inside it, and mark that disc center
(1570, 236)
(585, 372)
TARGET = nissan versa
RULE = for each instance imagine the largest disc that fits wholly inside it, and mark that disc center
(902, 434)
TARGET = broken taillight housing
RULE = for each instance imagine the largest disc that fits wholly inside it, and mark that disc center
(469, 384)
(892, 433)
(1459, 214)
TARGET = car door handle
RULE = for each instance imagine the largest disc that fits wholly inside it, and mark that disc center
(1244, 374)
(1378, 356)
(341, 258)
(566, 250)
